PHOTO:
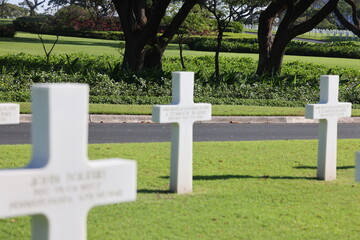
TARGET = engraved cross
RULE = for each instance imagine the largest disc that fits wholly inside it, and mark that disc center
(329, 110)
(60, 185)
(182, 113)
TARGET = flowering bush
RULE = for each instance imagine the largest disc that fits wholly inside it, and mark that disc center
(75, 17)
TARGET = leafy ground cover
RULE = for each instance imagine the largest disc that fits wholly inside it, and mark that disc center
(242, 190)
(238, 85)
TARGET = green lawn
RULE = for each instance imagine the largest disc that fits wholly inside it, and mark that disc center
(217, 110)
(29, 43)
(4, 21)
(242, 190)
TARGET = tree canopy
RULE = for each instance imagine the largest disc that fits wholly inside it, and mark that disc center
(8, 10)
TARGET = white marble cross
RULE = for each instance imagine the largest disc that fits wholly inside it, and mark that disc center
(182, 112)
(9, 113)
(329, 110)
(60, 185)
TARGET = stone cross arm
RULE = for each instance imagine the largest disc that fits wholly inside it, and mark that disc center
(54, 191)
(9, 113)
(329, 107)
(325, 111)
(175, 113)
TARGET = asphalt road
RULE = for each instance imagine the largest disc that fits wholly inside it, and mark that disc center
(127, 133)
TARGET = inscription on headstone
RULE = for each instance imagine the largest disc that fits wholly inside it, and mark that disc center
(9, 113)
(60, 185)
(329, 110)
(182, 113)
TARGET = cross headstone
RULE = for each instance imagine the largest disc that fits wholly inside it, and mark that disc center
(329, 110)
(60, 185)
(9, 113)
(182, 113)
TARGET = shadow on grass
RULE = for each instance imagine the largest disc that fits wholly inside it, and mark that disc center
(153, 191)
(226, 177)
(314, 167)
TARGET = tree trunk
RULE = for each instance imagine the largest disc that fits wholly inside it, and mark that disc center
(272, 49)
(138, 56)
(140, 20)
(134, 55)
(265, 35)
(217, 53)
(153, 57)
(181, 39)
(275, 60)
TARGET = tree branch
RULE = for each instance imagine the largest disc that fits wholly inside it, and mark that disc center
(315, 20)
(353, 12)
(352, 27)
(125, 14)
(157, 13)
(177, 21)
(266, 23)
(139, 12)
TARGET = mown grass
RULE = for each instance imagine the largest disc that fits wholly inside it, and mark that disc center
(217, 110)
(242, 190)
(30, 43)
(4, 21)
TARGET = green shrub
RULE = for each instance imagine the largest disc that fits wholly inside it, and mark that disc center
(300, 48)
(7, 31)
(35, 24)
(63, 27)
(235, 27)
(109, 35)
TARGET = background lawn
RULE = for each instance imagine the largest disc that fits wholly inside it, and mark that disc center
(242, 190)
(30, 43)
(217, 110)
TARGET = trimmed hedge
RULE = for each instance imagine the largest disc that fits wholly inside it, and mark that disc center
(46, 24)
(7, 30)
(300, 48)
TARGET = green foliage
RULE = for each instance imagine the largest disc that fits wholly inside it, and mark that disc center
(7, 31)
(300, 48)
(109, 35)
(235, 27)
(8, 10)
(197, 21)
(237, 85)
(35, 24)
(68, 15)
(67, 22)
(64, 24)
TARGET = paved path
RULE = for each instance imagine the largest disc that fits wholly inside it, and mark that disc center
(135, 132)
